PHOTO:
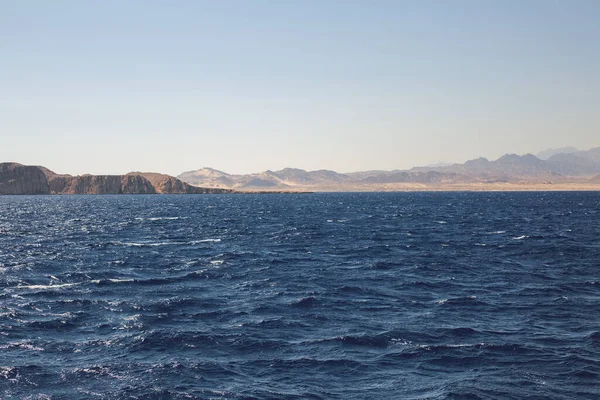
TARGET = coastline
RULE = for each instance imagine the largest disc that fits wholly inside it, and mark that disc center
(473, 187)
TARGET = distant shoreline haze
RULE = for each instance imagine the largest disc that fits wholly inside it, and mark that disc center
(562, 168)
(554, 169)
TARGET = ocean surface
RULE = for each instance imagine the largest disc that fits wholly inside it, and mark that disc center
(311, 296)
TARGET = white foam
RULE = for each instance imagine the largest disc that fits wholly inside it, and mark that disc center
(133, 317)
(157, 244)
(37, 287)
(134, 244)
(121, 280)
(7, 372)
(94, 370)
(205, 241)
(98, 281)
(21, 345)
(159, 218)
(520, 237)
(429, 347)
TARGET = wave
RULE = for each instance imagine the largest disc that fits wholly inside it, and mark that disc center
(305, 302)
(157, 244)
(21, 346)
(174, 307)
(385, 265)
(160, 218)
(217, 240)
(465, 300)
(520, 237)
(48, 287)
(102, 282)
(58, 324)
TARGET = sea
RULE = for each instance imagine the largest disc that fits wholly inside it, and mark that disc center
(451, 295)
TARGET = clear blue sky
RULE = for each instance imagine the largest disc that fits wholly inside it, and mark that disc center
(244, 86)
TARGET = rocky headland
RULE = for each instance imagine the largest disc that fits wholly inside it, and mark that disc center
(22, 179)
(17, 179)
(166, 184)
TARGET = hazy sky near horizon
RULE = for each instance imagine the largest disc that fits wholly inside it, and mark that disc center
(243, 86)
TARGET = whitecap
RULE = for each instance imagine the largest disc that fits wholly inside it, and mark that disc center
(37, 287)
(520, 237)
(205, 241)
(9, 373)
(155, 244)
(21, 345)
(133, 317)
(459, 345)
(97, 370)
(121, 280)
(98, 281)
(159, 218)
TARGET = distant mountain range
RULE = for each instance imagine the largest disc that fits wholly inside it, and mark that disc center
(554, 165)
(566, 169)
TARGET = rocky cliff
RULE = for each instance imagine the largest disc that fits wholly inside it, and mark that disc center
(99, 184)
(132, 183)
(170, 185)
(20, 179)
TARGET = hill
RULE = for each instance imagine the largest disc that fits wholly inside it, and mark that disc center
(562, 165)
(19, 179)
(546, 154)
(166, 184)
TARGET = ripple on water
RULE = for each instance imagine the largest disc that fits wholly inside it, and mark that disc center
(348, 296)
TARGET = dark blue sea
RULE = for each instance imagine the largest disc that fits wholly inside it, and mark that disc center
(301, 296)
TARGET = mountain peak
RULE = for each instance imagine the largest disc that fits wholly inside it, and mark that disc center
(546, 154)
(508, 168)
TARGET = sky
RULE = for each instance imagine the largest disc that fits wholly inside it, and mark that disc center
(112, 86)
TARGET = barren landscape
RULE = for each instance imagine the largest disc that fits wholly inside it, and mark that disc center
(551, 170)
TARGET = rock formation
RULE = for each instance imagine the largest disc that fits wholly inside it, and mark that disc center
(99, 184)
(166, 184)
(132, 183)
(20, 179)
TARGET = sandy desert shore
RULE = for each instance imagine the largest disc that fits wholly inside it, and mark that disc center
(465, 187)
